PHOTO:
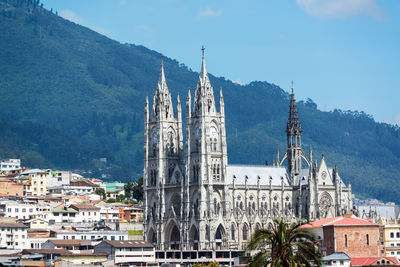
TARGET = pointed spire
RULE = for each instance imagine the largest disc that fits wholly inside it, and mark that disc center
(162, 83)
(293, 126)
(203, 72)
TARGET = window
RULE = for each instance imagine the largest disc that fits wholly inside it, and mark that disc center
(16, 210)
(112, 237)
(56, 213)
(245, 232)
(367, 240)
(23, 210)
(345, 241)
(31, 210)
(341, 262)
(391, 235)
(398, 234)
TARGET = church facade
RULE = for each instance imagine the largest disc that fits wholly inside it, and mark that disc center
(195, 201)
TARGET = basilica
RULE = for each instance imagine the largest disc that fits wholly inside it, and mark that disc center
(195, 201)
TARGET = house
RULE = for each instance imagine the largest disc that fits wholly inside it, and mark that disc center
(37, 224)
(87, 212)
(391, 237)
(128, 252)
(40, 257)
(84, 258)
(9, 187)
(13, 235)
(354, 236)
(134, 214)
(10, 165)
(374, 261)
(93, 235)
(337, 259)
(62, 214)
(37, 182)
(16, 209)
(37, 237)
(73, 245)
(82, 187)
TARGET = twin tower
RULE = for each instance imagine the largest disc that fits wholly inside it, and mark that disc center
(177, 190)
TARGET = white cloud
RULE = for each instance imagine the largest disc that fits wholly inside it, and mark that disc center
(71, 16)
(342, 8)
(210, 13)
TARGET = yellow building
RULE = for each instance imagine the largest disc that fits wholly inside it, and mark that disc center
(34, 181)
(390, 233)
(83, 258)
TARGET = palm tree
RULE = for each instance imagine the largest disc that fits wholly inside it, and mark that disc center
(284, 246)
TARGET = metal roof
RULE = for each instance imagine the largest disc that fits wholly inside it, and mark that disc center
(237, 174)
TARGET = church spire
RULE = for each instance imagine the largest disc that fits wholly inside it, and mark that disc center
(162, 82)
(293, 127)
(203, 73)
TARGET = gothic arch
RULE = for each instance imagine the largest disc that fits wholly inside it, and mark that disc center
(245, 232)
(172, 235)
(194, 236)
(152, 236)
(220, 232)
(175, 205)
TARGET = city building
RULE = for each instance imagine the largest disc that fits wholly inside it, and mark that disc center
(34, 181)
(10, 165)
(391, 237)
(11, 188)
(194, 200)
(337, 259)
(94, 235)
(123, 253)
(88, 212)
(354, 236)
(18, 210)
(134, 214)
(13, 235)
(374, 261)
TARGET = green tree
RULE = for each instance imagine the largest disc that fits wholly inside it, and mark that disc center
(284, 246)
(120, 198)
(128, 188)
(100, 192)
(137, 191)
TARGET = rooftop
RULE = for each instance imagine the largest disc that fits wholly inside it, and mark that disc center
(366, 261)
(129, 244)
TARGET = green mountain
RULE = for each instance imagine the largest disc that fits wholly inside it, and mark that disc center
(71, 96)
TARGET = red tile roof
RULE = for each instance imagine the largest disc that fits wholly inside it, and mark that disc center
(367, 261)
(338, 221)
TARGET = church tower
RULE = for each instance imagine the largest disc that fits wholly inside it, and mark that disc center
(206, 163)
(293, 134)
(163, 157)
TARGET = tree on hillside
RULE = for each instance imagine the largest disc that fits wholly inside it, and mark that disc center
(100, 192)
(284, 245)
(134, 190)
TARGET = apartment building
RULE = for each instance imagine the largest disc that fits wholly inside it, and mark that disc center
(13, 235)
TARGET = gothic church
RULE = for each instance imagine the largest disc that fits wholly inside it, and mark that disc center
(194, 200)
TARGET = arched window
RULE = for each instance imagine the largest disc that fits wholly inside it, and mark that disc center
(245, 232)
(233, 232)
(215, 205)
(241, 205)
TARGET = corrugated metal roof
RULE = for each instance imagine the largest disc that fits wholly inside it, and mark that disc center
(266, 173)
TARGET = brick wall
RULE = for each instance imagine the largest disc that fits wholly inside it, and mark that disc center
(353, 240)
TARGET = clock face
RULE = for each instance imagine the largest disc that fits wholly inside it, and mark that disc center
(198, 132)
(213, 131)
(154, 137)
(323, 175)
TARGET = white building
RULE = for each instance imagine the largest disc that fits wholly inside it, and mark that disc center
(19, 210)
(337, 259)
(129, 253)
(109, 213)
(92, 235)
(10, 165)
(86, 212)
(13, 236)
(35, 182)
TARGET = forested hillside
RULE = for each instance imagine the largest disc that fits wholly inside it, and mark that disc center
(71, 96)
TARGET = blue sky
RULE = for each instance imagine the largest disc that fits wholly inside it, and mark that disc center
(341, 53)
